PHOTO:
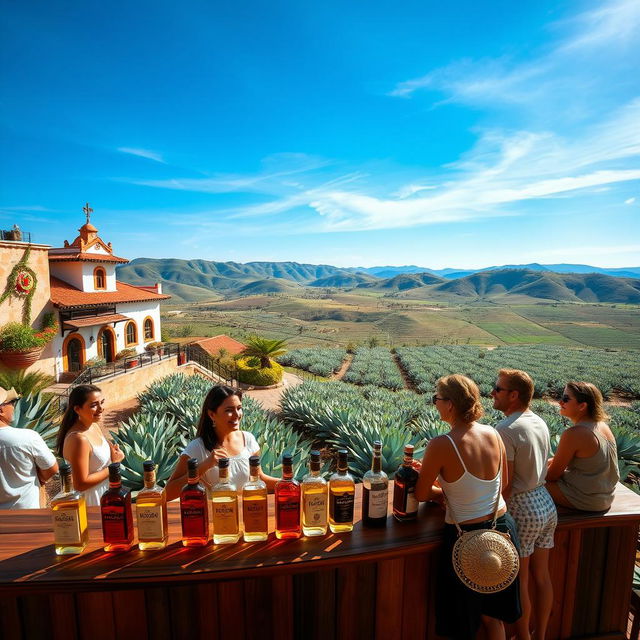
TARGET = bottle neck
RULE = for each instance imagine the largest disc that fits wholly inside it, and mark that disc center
(115, 484)
(376, 464)
(193, 476)
(149, 479)
(223, 474)
(287, 472)
(67, 484)
(408, 461)
(254, 474)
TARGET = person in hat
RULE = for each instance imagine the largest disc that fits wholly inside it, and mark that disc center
(25, 459)
(528, 445)
(466, 468)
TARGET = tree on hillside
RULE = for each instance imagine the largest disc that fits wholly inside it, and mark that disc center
(264, 349)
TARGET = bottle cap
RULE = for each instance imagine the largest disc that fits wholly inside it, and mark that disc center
(149, 465)
(254, 461)
(192, 464)
(114, 472)
(223, 463)
(377, 445)
(287, 458)
(408, 449)
(314, 455)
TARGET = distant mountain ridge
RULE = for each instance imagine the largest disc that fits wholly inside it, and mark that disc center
(190, 280)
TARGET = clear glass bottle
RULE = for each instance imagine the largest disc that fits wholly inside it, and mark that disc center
(287, 498)
(255, 515)
(375, 491)
(70, 528)
(315, 499)
(151, 512)
(405, 505)
(194, 509)
(117, 516)
(342, 491)
(224, 500)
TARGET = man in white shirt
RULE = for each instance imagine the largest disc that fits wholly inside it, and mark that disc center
(527, 444)
(25, 460)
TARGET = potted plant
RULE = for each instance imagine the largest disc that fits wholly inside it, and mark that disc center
(129, 356)
(21, 345)
(155, 348)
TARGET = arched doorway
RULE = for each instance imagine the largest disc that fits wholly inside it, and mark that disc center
(107, 344)
(73, 354)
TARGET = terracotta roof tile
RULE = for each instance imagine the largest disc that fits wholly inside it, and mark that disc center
(94, 321)
(83, 257)
(213, 345)
(65, 295)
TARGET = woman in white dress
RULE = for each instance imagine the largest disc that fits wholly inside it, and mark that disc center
(218, 436)
(81, 443)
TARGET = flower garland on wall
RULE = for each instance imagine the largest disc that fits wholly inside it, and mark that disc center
(22, 283)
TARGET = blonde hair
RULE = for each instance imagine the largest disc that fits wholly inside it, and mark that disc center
(519, 381)
(464, 395)
(589, 393)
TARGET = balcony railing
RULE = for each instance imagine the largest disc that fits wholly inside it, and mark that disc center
(15, 235)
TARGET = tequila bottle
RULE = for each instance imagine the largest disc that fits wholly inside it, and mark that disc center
(194, 509)
(224, 499)
(287, 495)
(375, 491)
(341, 496)
(70, 529)
(254, 505)
(117, 517)
(405, 505)
(315, 499)
(151, 512)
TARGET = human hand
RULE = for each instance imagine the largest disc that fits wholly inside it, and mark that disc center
(215, 455)
(416, 464)
(116, 454)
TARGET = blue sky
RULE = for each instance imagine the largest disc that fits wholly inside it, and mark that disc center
(347, 133)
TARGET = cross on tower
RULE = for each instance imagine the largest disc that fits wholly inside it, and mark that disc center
(88, 211)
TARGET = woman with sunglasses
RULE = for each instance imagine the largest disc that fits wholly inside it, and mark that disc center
(467, 467)
(584, 470)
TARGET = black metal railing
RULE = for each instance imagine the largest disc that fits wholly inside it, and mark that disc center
(229, 375)
(15, 235)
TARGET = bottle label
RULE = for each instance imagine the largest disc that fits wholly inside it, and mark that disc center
(412, 503)
(254, 514)
(114, 524)
(315, 510)
(66, 526)
(225, 517)
(378, 499)
(342, 506)
(150, 524)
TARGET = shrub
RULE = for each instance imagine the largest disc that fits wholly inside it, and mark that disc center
(15, 336)
(126, 353)
(25, 383)
(257, 376)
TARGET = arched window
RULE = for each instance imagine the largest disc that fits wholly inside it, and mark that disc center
(99, 278)
(131, 333)
(148, 329)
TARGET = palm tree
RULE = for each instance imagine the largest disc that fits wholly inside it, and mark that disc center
(264, 349)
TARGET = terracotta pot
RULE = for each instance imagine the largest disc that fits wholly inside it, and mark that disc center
(132, 363)
(21, 359)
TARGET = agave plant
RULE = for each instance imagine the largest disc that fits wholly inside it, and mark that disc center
(37, 412)
(24, 383)
(149, 437)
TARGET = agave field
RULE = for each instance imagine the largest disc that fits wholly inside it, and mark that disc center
(374, 366)
(321, 362)
(550, 367)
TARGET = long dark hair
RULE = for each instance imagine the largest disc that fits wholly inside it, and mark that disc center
(206, 429)
(77, 398)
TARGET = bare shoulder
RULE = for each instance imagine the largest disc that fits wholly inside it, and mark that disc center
(76, 440)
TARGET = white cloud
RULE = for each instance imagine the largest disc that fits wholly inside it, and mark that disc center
(630, 201)
(143, 153)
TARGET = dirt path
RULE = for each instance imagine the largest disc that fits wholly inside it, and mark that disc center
(344, 367)
(270, 398)
(113, 416)
(407, 381)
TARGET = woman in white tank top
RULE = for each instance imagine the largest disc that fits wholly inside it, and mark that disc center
(465, 469)
(81, 443)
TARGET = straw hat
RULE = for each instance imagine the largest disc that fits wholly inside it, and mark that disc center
(485, 560)
(8, 395)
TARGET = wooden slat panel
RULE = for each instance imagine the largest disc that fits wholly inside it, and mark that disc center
(183, 623)
(130, 614)
(570, 580)
(315, 609)
(415, 603)
(158, 613)
(231, 622)
(63, 616)
(35, 611)
(624, 574)
(207, 613)
(282, 607)
(91, 607)
(607, 603)
(557, 570)
(389, 598)
(258, 603)
(356, 595)
(10, 617)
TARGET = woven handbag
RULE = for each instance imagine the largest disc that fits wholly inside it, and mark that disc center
(485, 560)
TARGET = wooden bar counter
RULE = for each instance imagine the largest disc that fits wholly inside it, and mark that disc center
(371, 583)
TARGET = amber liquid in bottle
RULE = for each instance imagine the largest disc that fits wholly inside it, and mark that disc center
(375, 491)
(342, 493)
(194, 509)
(69, 510)
(315, 499)
(405, 505)
(151, 512)
(287, 498)
(254, 505)
(224, 499)
(117, 516)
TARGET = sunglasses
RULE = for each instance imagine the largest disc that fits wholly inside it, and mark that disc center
(498, 389)
(11, 403)
(435, 398)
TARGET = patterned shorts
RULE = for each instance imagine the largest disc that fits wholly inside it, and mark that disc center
(536, 517)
